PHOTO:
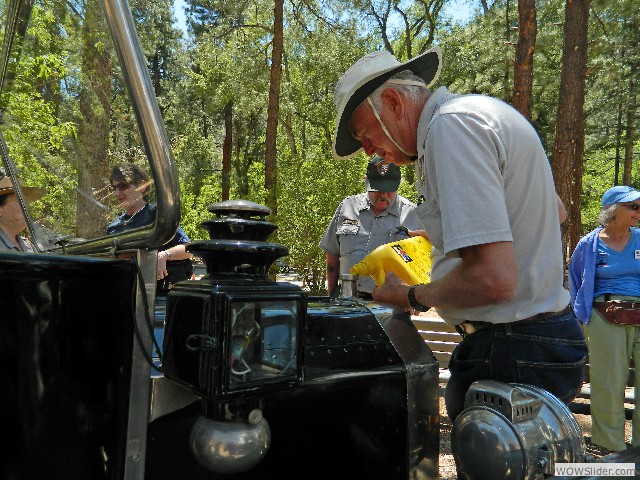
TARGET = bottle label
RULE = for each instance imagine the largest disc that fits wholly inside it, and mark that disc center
(401, 252)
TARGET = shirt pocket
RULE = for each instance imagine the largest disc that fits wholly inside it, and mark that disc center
(349, 238)
(347, 230)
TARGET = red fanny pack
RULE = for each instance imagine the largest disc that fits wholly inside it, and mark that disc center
(619, 312)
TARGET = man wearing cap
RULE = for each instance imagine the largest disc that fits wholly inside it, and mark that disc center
(12, 220)
(488, 202)
(605, 267)
(365, 221)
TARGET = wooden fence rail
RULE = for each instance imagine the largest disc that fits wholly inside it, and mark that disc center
(439, 336)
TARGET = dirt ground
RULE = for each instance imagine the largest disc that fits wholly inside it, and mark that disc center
(447, 469)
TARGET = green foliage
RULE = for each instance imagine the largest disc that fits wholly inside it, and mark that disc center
(406, 189)
(308, 198)
(195, 208)
(223, 68)
(599, 172)
(30, 125)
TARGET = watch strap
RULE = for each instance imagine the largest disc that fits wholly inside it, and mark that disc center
(412, 299)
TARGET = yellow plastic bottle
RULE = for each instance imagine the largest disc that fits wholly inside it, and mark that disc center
(409, 259)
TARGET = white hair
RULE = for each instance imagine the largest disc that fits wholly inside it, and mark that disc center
(406, 82)
(607, 214)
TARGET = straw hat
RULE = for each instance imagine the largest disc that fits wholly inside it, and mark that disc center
(363, 78)
(31, 194)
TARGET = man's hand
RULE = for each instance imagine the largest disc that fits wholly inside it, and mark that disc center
(161, 267)
(402, 229)
(393, 291)
(487, 275)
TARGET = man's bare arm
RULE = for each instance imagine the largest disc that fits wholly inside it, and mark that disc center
(562, 211)
(487, 275)
(333, 269)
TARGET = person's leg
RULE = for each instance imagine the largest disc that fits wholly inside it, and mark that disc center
(469, 362)
(608, 373)
(633, 339)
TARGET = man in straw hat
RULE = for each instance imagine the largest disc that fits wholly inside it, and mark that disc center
(365, 221)
(12, 220)
(488, 202)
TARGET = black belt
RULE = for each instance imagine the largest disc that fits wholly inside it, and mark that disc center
(469, 327)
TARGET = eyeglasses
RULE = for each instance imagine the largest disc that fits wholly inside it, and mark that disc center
(633, 206)
(120, 187)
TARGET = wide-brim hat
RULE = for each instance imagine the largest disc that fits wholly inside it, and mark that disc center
(31, 194)
(619, 194)
(382, 177)
(363, 78)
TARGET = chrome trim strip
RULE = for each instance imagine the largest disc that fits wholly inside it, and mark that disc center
(140, 386)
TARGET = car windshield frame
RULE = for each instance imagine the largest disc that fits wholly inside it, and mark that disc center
(155, 145)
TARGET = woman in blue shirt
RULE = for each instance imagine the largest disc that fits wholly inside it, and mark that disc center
(131, 186)
(606, 266)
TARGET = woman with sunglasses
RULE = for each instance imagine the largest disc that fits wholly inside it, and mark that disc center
(606, 266)
(131, 187)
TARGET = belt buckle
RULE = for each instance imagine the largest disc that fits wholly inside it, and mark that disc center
(465, 328)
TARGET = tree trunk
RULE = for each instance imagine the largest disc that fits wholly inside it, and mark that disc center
(631, 105)
(616, 173)
(270, 168)
(507, 38)
(523, 68)
(93, 129)
(569, 144)
(288, 126)
(226, 151)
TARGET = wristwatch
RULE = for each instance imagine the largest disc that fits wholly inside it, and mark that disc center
(412, 299)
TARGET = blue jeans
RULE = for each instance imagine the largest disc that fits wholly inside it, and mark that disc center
(549, 354)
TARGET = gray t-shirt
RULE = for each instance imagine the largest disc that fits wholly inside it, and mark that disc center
(485, 178)
(355, 230)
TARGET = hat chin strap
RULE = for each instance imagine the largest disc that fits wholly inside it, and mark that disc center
(386, 132)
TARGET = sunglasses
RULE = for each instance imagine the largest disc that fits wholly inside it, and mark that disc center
(120, 187)
(633, 206)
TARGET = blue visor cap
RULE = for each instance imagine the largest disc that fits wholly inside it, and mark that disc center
(619, 194)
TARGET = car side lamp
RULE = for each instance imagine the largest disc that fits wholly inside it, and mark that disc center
(234, 336)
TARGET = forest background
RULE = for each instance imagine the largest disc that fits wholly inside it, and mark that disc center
(246, 94)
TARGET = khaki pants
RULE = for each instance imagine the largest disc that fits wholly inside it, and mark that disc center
(611, 349)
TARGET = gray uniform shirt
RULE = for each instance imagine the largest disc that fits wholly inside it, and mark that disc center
(355, 230)
(486, 178)
(6, 243)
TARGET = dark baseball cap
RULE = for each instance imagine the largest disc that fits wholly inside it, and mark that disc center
(382, 177)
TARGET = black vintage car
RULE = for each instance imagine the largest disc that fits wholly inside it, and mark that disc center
(232, 375)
